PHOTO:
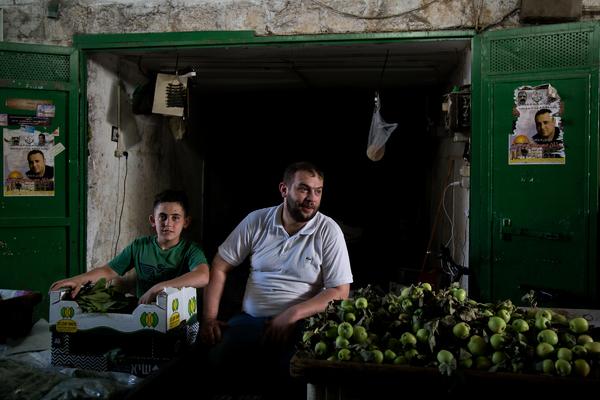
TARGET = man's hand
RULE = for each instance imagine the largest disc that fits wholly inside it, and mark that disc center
(210, 331)
(280, 329)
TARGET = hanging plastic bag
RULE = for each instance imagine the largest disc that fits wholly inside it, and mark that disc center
(379, 133)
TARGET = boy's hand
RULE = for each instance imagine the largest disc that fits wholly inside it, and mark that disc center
(150, 295)
(74, 284)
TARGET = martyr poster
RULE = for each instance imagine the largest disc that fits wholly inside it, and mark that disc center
(538, 136)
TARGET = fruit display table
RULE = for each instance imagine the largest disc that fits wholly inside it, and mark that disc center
(346, 380)
(376, 344)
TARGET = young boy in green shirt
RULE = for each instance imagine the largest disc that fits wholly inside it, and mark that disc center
(162, 260)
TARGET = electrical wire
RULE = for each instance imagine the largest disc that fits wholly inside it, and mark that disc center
(116, 208)
(122, 203)
(436, 219)
(388, 16)
(451, 220)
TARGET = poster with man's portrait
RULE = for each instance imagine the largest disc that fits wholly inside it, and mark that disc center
(28, 162)
(538, 136)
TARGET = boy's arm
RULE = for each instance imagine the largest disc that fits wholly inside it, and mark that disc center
(77, 281)
(196, 278)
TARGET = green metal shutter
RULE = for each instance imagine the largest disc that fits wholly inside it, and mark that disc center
(40, 236)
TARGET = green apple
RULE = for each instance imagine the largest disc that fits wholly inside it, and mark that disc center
(411, 353)
(496, 324)
(543, 313)
(582, 368)
(466, 362)
(332, 331)
(321, 348)
(497, 341)
(341, 342)
(563, 367)
(578, 325)
(460, 294)
(544, 350)
(579, 351)
(344, 355)
(400, 360)
(542, 323)
(360, 334)
(583, 339)
(347, 305)
(461, 330)
(483, 363)
(593, 348)
(559, 319)
(345, 330)
(564, 354)
(504, 314)
(548, 336)
(520, 325)
(408, 339)
(422, 335)
(389, 355)
(377, 356)
(349, 317)
(445, 357)
(361, 303)
(498, 357)
(548, 366)
(476, 345)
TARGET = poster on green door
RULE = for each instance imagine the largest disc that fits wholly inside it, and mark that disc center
(28, 162)
(537, 136)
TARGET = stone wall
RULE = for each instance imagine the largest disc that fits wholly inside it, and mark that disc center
(32, 21)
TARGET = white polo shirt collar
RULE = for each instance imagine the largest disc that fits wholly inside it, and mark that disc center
(307, 229)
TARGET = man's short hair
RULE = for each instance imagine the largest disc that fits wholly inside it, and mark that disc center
(172, 196)
(542, 111)
(290, 171)
(32, 152)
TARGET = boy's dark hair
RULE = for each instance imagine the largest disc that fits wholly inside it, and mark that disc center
(172, 196)
(290, 171)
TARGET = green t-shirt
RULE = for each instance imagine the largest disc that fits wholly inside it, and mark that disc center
(153, 264)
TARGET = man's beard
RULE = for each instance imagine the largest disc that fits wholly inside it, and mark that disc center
(293, 208)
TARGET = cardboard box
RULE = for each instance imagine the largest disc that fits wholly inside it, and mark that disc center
(104, 349)
(136, 343)
(171, 308)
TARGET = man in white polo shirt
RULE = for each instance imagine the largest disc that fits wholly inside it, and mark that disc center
(298, 264)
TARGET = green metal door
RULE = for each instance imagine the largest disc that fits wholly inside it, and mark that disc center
(534, 217)
(40, 233)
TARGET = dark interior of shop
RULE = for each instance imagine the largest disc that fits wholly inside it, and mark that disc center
(252, 111)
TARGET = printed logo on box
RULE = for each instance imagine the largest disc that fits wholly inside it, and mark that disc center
(66, 326)
(174, 321)
(67, 312)
(149, 320)
(192, 306)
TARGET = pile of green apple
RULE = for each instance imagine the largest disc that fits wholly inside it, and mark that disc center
(447, 330)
